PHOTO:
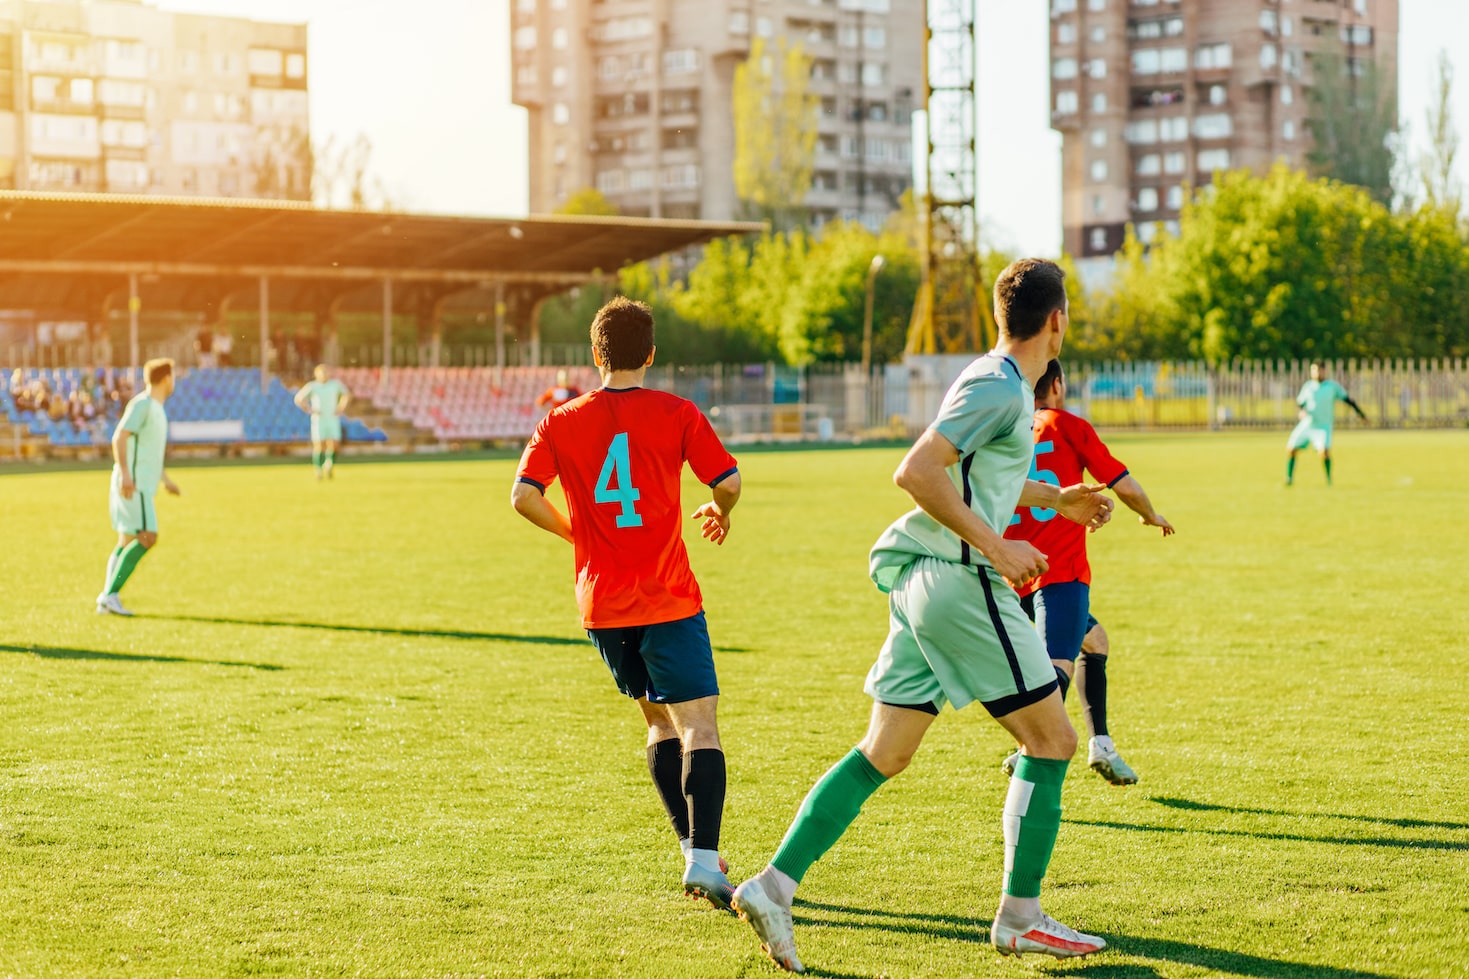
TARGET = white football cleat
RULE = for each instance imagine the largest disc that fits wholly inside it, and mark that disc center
(1106, 762)
(111, 605)
(771, 922)
(1047, 936)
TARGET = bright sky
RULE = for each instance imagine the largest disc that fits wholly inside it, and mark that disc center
(428, 81)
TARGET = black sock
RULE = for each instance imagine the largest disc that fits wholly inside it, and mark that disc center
(703, 784)
(665, 764)
(1064, 680)
(1092, 672)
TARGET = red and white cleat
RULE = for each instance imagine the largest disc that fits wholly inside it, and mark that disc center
(1047, 936)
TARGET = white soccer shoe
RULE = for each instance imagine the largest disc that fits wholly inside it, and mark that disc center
(1047, 936)
(771, 922)
(111, 605)
(1107, 763)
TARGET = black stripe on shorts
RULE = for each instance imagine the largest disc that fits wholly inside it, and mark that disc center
(1005, 644)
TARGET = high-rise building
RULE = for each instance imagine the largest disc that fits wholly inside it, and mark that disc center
(1151, 96)
(634, 98)
(116, 96)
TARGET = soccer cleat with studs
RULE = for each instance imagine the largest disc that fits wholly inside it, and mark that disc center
(772, 923)
(1107, 763)
(1046, 936)
(712, 886)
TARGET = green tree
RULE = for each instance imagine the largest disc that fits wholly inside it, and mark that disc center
(775, 120)
(1353, 121)
(1441, 185)
(587, 201)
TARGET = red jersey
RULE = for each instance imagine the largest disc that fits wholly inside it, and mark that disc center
(620, 456)
(557, 396)
(1064, 445)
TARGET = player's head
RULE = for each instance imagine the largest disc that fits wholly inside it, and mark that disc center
(321, 373)
(1030, 299)
(1050, 390)
(159, 375)
(562, 378)
(1318, 370)
(622, 335)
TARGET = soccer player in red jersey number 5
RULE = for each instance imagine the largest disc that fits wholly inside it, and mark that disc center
(1059, 601)
(620, 452)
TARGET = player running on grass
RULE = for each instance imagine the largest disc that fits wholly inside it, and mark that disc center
(325, 398)
(1059, 600)
(1317, 402)
(957, 632)
(619, 451)
(138, 447)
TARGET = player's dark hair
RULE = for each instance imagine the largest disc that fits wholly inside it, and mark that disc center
(156, 370)
(622, 334)
(1051, 376)
(1026, 294)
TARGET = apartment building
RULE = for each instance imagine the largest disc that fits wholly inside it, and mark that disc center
(1151, 96)
(116, 96)
(634, 98)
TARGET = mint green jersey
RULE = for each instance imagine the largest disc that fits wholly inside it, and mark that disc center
(1318, 399)
(147, 422)
(986, 415)
(324, 396)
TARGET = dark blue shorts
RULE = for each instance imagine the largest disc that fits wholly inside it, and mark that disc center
(1062, 613)
(669, 663)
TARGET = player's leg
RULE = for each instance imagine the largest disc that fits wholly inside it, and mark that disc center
(1060, 612)
(1091, 681)
(1299, 438)
(665, 765)
(317, 453)
(329, 457)
(680, 664)
(1326, 464)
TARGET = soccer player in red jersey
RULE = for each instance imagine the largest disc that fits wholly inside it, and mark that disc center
(1059, 600)
(559, 393)
(620, 452)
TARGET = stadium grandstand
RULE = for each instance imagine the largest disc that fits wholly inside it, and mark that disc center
(89, 257)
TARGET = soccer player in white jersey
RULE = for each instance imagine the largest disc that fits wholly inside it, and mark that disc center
(138, 448)
(325, 398)
(957, 633)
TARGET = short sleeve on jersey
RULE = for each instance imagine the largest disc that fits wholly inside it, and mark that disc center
(135, 418)
(538, 462)
(1094, 454)
(982, 409)
(706, 455)
(1335, 390)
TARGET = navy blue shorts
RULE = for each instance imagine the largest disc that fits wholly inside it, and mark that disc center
(669, 663)
(1062, 613)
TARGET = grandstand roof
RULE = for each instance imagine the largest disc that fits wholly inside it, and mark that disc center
(56, 246)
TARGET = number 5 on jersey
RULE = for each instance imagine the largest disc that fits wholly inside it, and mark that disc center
(618, 466)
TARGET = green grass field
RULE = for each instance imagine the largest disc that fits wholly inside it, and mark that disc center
(356, 731)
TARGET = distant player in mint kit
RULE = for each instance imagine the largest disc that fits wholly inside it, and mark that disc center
(324, 398)
(1317, 402)
(619, 452)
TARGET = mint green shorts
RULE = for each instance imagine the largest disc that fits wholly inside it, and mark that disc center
(958, 634)
(326, 428)
(133, 516)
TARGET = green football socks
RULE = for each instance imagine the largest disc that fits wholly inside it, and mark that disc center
(1327, 463)
(1032, 820)
(1290, 469)
(112, 560)
(830, 807)
(316, 457)
(126, 562)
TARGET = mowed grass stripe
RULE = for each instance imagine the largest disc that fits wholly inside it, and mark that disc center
(357, 730)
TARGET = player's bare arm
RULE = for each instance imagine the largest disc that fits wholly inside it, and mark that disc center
(301, 396)
(171, 487)
(120, 456)
(532, 504)
(1130, 492)
(923, 475)
(715, 513)
(342, 402)
(1082, 503)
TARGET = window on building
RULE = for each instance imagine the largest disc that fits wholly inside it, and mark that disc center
(1147, 232)
(1146, 61)
(560, 114)
(874, 75)
(1142, 132)
(1099, 102)
(1269, 22)
(1288, 130)
(272, 63)
(1066, 32)
(558, 154)
(1174, 162)
(1097, 68)
(558, 76)
(1218, 94)
(680, 62)
(875, 38)
(1063, 68)
(1211, 160)
(1147, 199)
(1059, 7)
(1098, 205)
(1099, 171)
(1099, 239)
(1174, 59)
(1149, 165)
(1267, 56)
(1213, 126)
(1099, 35)
(739, 22)
(1096, 4)
(1174, 129)
(764, 27)
(611, 181)
(1099, 138)
(1287, 95)
(526, 6)
(1175, 198)
(1065, 102)
(1287, 26)
(1213, 56)
(559, 39)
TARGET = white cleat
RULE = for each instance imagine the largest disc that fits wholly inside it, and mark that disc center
(1047, 936)
(771, 922)
(111, 605)
(1107, 763)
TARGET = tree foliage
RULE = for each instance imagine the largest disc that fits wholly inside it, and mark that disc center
(1441, 186)
(587, 201)
(1289, 266)
(775, 118)
(1353, 121)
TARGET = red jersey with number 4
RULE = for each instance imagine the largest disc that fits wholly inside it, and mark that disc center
(620, 456)
(1065, 444)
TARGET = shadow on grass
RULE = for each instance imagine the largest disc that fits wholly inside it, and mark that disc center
(55, 652)
(976, 930)
(1296, 837)
(375, 630)
(1192, 806)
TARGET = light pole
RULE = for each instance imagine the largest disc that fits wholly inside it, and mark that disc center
(872, 270)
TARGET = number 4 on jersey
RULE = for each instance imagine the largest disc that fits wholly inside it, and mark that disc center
(618, 466)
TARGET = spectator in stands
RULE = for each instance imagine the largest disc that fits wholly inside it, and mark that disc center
(204, 347)
(20, 392)
(74, 410)
(56, 406)
(224, 346)
(559, 393)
